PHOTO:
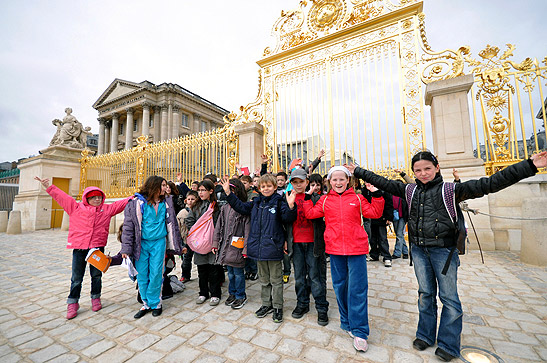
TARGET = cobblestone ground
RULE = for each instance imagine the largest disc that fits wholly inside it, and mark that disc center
(504, 303)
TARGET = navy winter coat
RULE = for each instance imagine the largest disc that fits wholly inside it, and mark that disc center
(267, 235)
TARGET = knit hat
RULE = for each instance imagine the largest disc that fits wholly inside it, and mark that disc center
(94, 193)
(338, 168)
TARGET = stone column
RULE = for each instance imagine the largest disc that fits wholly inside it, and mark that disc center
(534, 233)
(251, 144)
(176, 121)
(170, 121)
(129, 129)
(157, 124)
(100, 148)
(164, 125)
(107, 133)
(453, 145)
(145, 118)
(114, 133)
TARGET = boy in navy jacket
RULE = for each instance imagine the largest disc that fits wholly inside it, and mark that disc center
(266, 242)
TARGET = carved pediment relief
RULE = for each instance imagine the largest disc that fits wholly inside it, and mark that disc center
(117, 89)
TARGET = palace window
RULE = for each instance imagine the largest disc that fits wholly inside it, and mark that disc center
(121, 129)
(150, 123)
(203, 126)
(135, 125)
(184, 119)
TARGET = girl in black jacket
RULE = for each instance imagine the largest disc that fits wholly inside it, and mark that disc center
(432, 235)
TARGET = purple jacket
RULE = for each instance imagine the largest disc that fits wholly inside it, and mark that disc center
(131, 233)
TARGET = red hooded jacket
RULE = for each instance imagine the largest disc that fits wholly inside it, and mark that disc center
(88, 227)
(344, 234)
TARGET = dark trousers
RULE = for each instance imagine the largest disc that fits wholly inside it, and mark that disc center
(250, 266)
(309, 277)
(378, 242)
(78, 271)
(209, 280)
(187, 264)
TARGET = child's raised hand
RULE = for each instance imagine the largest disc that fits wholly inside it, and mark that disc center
(455, 174)
(351, 167)
(540, 159)
(225, 185)
(179, 177)
(321, 153)
(371, 187)
(44, 182)
(291, 197)
(265, 159)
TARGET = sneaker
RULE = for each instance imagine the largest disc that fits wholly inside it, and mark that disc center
(96, 304)
(253, 276)
(230, 300)
(247, 275)
(444, 355)
(200, 300)
(322, 318)
(350, 333)
(393, 257)
(142, 312)
(184, 279)
(285, 279)
(238, 303)
(420, 344)
(387, 263)
(72, 310)
(405, 256)
(214, 301)
(299, 311)
(370, 259)
(360, 344)
(277, 315)
(263, 311)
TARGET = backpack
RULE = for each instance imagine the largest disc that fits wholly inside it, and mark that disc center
(455, 213)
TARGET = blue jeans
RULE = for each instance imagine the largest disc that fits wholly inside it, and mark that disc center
(400, 244)
(78, 271)
(150, 271)
(350, 282)
(428, 264)
(308, 277)
(236, 286)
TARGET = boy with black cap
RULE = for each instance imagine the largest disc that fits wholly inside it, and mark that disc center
(308, 254)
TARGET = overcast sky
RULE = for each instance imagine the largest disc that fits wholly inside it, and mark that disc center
(55, 54)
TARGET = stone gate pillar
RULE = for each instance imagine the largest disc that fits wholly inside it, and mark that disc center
(251, 144)
(453, 145)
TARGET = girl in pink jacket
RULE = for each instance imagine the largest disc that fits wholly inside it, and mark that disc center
(89, 224)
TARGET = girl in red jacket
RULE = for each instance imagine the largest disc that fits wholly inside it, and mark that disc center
(89, 224)
(347, 244)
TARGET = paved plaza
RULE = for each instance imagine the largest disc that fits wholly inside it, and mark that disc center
(505, 305)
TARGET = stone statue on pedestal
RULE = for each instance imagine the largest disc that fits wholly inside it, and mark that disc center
(70, 132)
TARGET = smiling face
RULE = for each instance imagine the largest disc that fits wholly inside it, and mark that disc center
(299, 185)
(425, 170)
(339, 181)
(267, 189)
(168, 189)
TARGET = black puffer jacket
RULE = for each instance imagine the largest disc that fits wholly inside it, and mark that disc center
(429, 223)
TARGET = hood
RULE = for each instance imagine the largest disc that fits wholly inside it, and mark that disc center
(90, 189)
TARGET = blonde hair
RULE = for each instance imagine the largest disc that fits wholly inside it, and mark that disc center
(267, 178)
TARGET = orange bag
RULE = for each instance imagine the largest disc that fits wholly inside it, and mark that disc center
(98, 260)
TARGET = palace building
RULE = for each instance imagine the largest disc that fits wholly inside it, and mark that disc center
(128, 110)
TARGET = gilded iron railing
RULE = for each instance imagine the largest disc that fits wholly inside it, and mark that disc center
(121, 173)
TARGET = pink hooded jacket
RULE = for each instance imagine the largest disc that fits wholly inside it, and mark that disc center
(89, 225)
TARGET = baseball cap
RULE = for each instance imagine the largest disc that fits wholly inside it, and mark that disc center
(299, 173)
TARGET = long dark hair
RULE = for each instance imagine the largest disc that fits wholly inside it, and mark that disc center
(208, 185)
(238, 189)
(174, 189)
(152, 189)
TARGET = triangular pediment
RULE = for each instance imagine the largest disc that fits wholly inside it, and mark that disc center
(117, 89)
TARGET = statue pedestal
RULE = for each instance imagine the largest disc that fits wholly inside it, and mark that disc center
(32, 200)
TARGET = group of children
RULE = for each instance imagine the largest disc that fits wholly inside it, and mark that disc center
(305, 221)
